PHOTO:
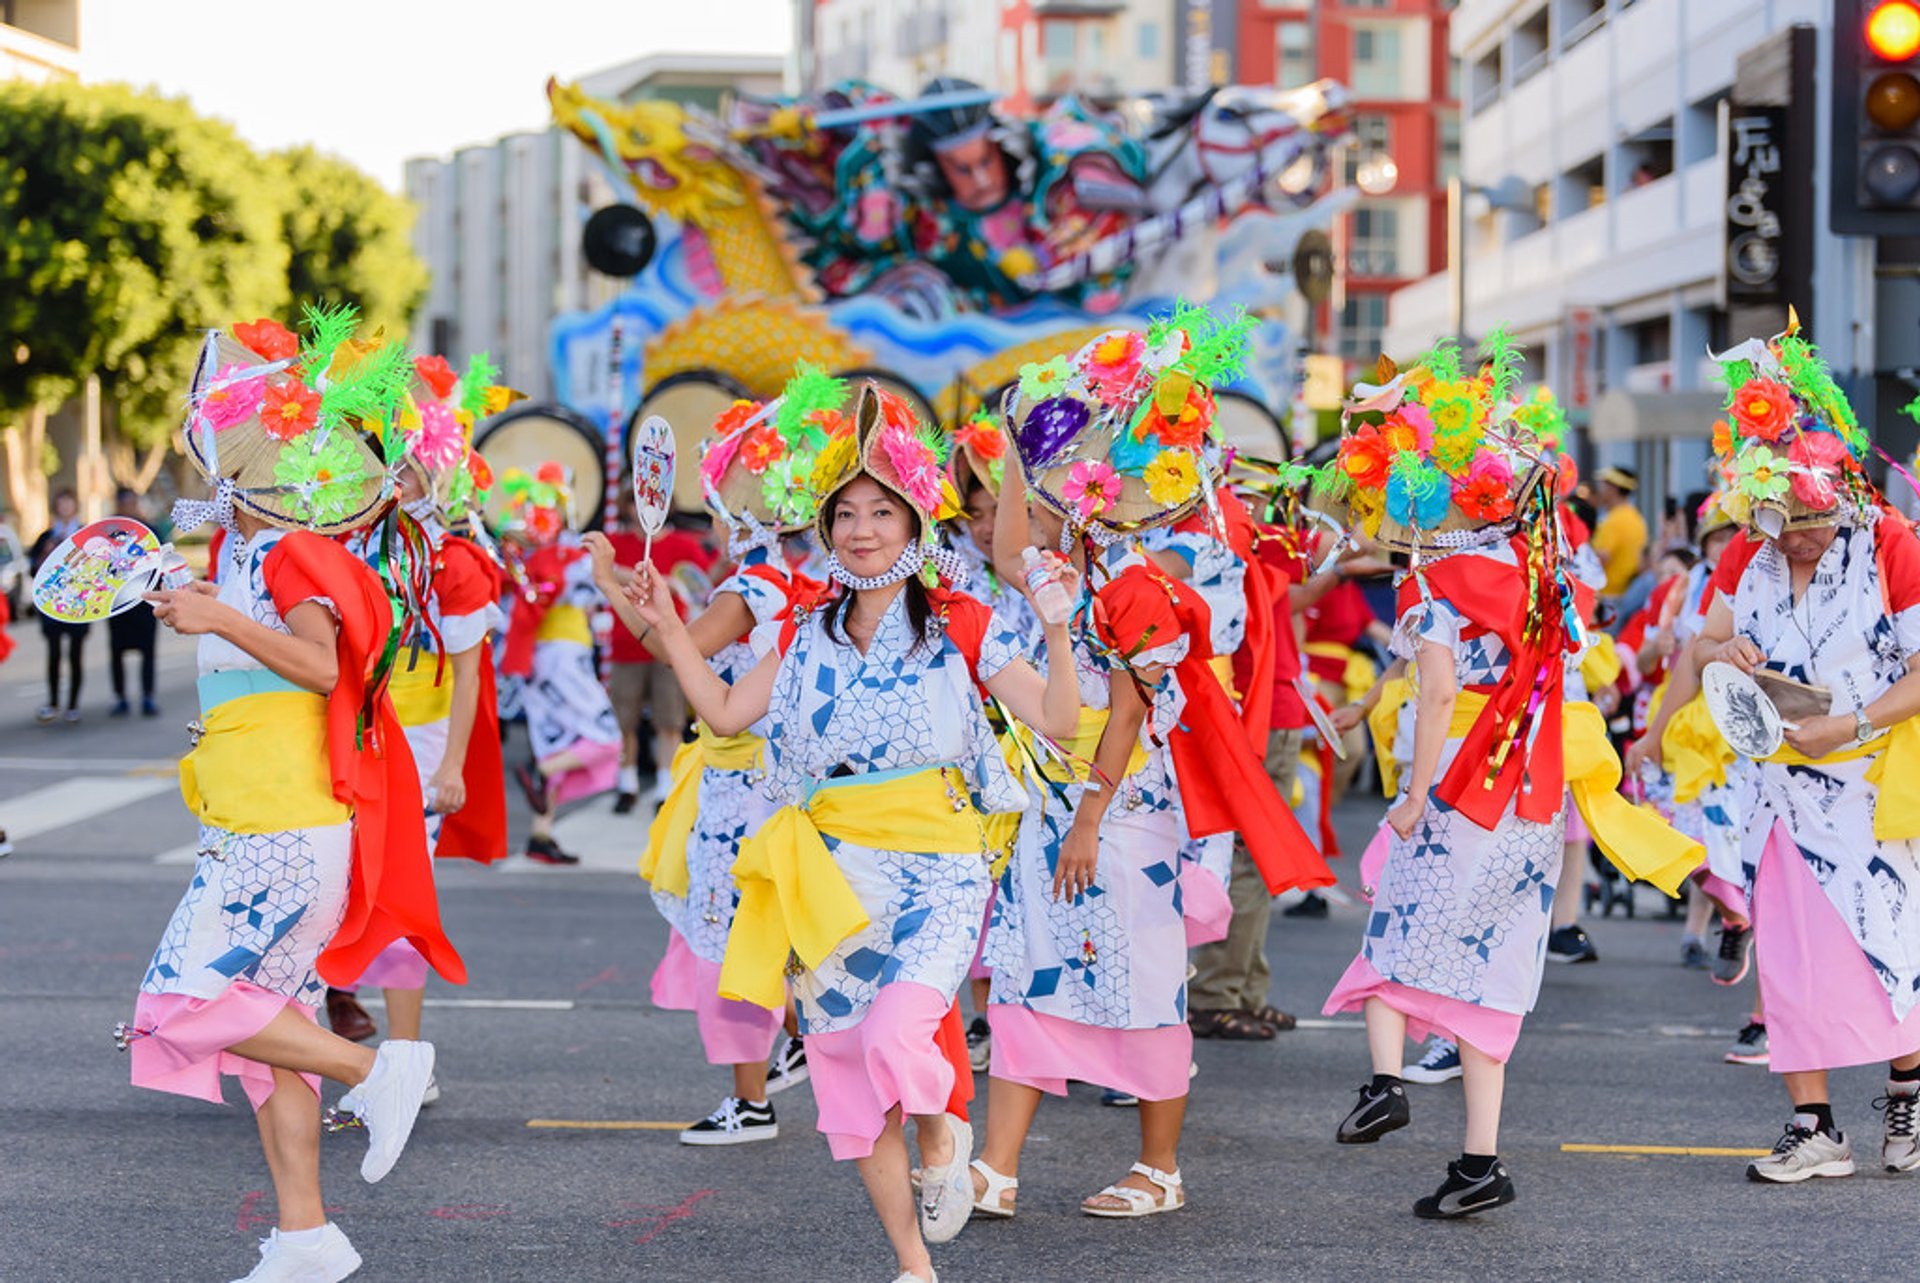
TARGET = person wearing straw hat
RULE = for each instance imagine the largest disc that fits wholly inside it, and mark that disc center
(1098, 904)
(572, 732)
(1620, 535)
(878, 742)
(1824, 587)
(752, 470)
(442, 685)
(309, 806)
(1462, 874)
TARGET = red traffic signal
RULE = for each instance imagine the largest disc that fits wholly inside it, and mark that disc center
(1893, 30)
(1876, 134)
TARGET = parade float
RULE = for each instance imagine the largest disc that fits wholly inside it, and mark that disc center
(933, 243)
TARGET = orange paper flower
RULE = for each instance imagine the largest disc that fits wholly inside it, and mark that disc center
(436, 374)
(1763, 409)
(984, 437)
(1365, 458)
(761, 447)
(1483, 498)
(268, 339)
(289, 408)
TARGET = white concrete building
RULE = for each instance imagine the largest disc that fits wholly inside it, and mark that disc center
(499, 225)
(39, 40)
(1607, 114)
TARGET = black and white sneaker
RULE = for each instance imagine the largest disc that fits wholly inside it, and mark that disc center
(1571, 944)
(788, 1068)
(1377, 1114)
(1735, 955)
(736, 1122)
(1459, 1195)
(979, 1044)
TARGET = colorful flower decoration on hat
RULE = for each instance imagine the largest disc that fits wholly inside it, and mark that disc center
(325, 480)
(759, 461)
(1789, 450)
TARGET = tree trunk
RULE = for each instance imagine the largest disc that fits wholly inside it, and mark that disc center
(25, 445)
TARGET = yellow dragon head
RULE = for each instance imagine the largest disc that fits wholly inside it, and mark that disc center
(674, 165)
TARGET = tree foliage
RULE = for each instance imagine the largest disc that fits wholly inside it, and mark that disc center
(129, 225)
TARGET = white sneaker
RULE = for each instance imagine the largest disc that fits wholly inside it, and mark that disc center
(389, 1101)
(946, 1192)
(788, 1067)
(1802, 1154)
(330, 1259)
(432, 1093)
(1899, 1146)
(1441, 1063)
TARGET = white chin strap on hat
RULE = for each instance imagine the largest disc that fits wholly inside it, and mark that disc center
(191, 514)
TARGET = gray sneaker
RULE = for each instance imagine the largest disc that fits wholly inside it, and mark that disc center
(1899, 1146)
(1735, 955)
(1802, 1154)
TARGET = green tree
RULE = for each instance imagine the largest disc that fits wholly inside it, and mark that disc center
(350, 239)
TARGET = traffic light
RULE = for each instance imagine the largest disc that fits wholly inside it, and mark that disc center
(1876, 125)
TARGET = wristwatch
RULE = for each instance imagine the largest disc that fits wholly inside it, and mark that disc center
(1863, 727)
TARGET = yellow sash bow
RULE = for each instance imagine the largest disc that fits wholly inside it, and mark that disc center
(664, 862)
(261, 766)
(793, 897)
(418, 700)
(564, 623)
(1692, 751)
(1384, 723)
(1896, 756)
(1003, 827)
(1358, 675)
(1600, 666)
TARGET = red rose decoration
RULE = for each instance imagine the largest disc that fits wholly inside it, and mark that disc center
(436, 374)
(289, 408)
(268, 339)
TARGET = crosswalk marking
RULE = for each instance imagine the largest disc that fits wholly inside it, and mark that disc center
(71, 801)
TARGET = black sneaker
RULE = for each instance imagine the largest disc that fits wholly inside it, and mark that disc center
(1311, 905)
(120, 708)
(624, 803)
(1735, 957)
(547, 851)
(1570, 944)
(1459, 1196)
(788, 1068)
(736, 1122)
(979, 1044)
(1377, 1114)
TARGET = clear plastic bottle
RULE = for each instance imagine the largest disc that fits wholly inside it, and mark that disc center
(1049, 596)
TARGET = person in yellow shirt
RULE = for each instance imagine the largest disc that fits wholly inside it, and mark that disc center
(1620, 536)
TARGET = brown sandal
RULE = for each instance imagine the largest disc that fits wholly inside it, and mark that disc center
(1233, 1026)
(1268, 1014)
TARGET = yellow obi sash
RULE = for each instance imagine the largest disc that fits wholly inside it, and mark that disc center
(664, 863)
(1384, 723)
(1359, 673)
(261, 765)
(418, 700)
(1693, 751)
(1896, 756)
(1600, 666)
(564, 623)
(793, 897)
(1003, 827)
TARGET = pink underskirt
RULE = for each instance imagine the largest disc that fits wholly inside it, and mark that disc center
(599, 768)
(1204, 906)
(398, 966)
(1044, 1052)
(889, 1059)
(1825, 1007)
(978, 970)
(1577, 834)
(1483, 1028)
(185, 1039)
(731, 1032)
(1729, 899)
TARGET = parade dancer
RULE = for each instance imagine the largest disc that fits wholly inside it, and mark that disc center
(442, 685)
(572, 732)
(1824, 587)
(1088, 945)
(877, 743)
(312, 850)
(753, 471)
(1462, 873)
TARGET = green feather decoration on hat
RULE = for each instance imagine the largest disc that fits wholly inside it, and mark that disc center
(481, 374)
(810, 390)
(1443, 361)
(1502, 357)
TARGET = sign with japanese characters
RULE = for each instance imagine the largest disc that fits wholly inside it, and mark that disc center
(1755, 199)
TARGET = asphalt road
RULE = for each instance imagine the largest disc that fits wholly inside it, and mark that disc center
(100, 1181)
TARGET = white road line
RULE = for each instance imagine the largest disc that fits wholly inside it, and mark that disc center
(71, 801)
(372, 999)
(188, 854)
(78, 765)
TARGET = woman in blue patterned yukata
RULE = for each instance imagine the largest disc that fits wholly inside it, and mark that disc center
(1463, 872)
(754, 470)
(1096, 907)
(873, 873)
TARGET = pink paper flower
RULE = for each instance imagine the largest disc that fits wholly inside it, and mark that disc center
(1112, 364)
(232, 402)
(1488, 465)
(719, 456)
(439, 443)
(1091, 486)
(1818, 460)
(919, 470)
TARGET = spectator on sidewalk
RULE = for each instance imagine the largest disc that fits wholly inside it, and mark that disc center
(1620, 537)
(131, 630)
(60, 636)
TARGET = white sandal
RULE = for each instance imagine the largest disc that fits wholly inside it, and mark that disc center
(988, 1203)
(1139, 1202)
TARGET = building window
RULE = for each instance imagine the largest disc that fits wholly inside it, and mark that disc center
(1376, 62)
(1583, 187)
(1056, 41)
(1647, 157)
(1293, 55)
(1486, 80)
(1363, 322)
(1149, 40)
(1372, 136)
(1530, 48)
(1373, 249)
(1580, 19)
(1650, 341)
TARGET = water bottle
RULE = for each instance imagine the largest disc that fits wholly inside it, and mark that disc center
(1049, 597)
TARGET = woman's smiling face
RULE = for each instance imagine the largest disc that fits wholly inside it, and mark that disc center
(870, 527)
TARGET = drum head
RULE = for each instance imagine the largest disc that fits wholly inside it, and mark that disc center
(690, 401)
(529, 435)
(1248, 426)
(1742, 711)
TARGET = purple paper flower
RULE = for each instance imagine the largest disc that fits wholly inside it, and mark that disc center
(1048, 428)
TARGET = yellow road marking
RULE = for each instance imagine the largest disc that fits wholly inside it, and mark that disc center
(156, 769)
(607, 1125)
(1683, 1151)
